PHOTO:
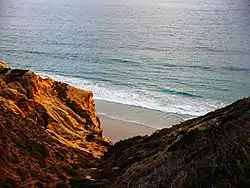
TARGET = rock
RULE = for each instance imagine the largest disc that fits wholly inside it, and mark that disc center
(88, 177)
(64, 110)
(45, 126)
(115, 168)
(2, 65)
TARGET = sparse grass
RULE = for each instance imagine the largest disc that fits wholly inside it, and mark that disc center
(214, 153)
(244, 168)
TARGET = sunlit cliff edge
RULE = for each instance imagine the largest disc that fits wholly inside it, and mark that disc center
(45, 124)
(50, 136)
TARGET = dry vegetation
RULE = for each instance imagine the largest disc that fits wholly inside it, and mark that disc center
(209, 151)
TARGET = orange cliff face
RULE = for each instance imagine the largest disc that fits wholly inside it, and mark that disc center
(64, 112)
(49, 131)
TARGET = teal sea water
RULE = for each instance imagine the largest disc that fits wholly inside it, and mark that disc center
(180, 56)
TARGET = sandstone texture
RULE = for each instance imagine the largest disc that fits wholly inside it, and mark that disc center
(48, 130)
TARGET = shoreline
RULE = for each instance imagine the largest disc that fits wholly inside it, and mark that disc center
(117, 130)
(134, 114)
(121, 121)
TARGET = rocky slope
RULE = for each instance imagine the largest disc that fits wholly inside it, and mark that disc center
(51, 137)
(208, 151)
(49, 130)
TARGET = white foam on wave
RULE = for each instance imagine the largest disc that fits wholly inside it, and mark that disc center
(148, 99)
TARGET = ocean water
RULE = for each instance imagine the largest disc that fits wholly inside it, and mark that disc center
(180, 56)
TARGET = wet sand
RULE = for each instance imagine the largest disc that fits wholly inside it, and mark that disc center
(117, 130)
(120, 121)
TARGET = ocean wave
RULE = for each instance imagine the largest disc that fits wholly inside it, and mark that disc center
(179, 93)
(208, 68)
(47, 54)
(125, 61)
(236, 69)
(27, 51)
(165, 102)
(202, 67)
(207, 48)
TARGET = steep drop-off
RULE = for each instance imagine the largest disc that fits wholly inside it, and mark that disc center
(51, 137)
(48, 130)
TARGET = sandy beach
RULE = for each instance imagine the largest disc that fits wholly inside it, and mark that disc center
(117, 130)
(120, 121)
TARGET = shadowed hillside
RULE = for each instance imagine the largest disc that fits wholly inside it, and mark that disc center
(208, 151)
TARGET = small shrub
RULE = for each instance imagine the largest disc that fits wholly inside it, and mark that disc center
(14, 160)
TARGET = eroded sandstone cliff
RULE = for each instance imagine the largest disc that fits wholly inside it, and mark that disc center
(48, 130)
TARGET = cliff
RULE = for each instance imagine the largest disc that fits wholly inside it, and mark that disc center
(51, 137)
(49, 130)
